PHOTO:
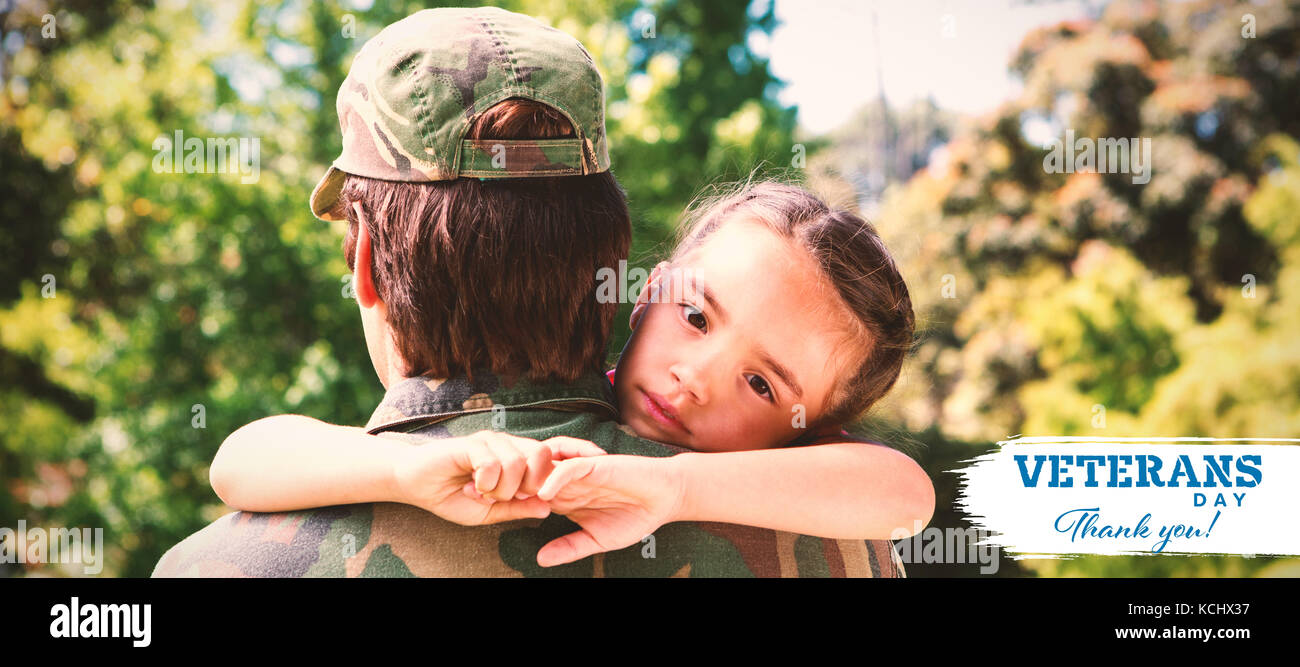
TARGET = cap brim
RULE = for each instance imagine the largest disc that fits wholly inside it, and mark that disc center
(325, 198)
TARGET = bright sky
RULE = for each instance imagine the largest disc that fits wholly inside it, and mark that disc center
(826, 52)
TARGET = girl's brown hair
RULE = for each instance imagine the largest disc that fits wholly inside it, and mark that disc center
(851, 256)
(495, 274)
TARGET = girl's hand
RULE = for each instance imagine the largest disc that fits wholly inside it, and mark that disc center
(617, 500)
(505, 471)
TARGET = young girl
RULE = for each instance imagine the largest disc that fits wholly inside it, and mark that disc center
(777, 320)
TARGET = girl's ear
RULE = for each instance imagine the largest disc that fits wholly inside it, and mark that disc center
(649, 293)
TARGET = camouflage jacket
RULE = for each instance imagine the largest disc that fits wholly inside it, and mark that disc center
(394, 540)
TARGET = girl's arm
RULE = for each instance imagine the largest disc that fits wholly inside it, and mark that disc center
(849, 490)
(846, 490)
(290, 462)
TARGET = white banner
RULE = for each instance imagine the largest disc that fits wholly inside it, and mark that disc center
(1046, 497)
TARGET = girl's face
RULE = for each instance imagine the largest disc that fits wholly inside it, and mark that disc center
(741, 347)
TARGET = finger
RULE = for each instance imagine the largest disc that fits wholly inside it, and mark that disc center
(571, 547)
(564, 473)
(472, 492)
(564, 447)
(539, 467)
(532, 508)
(487, 468)
(513, 467)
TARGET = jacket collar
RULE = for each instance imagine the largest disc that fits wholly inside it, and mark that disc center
(426, 399)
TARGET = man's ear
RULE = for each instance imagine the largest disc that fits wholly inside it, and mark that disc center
(363, 273)
(649, 294)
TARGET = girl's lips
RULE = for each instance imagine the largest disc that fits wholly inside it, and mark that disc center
(662, 411)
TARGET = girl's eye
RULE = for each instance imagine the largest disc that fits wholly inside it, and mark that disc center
(694, 317)
(760, 387)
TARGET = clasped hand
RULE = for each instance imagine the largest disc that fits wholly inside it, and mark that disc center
(491, 476)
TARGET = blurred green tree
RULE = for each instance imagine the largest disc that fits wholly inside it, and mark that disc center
(1166, 308)
(181, 306)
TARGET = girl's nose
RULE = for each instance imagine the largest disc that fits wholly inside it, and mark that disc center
(690, 381)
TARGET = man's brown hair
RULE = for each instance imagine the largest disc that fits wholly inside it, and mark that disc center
(495, 274)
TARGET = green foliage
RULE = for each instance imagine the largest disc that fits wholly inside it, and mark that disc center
(1167, 309)
(186, 300)
(197, 300)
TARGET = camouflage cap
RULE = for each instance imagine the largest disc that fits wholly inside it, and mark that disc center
(415, 88)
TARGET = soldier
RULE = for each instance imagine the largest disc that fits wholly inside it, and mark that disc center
(471, 136)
